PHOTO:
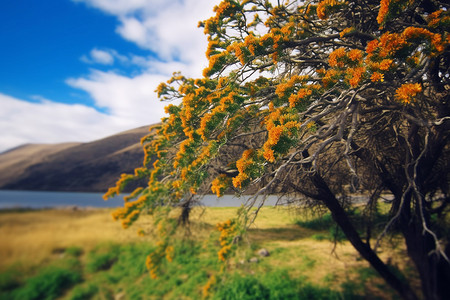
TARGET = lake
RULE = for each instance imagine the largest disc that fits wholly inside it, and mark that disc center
(39, 199)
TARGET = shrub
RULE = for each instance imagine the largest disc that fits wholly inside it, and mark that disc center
(238, 287)
(102, 258)
(276, 285)
(84, 292)
(49, 283)
(9, 280)
(74, 251)
(324, 222)
(131, 261)
(319, 223)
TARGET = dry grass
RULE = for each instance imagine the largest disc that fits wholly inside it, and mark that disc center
(294, 248)
(33, 237)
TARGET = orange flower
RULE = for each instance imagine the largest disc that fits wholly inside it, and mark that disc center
(321, 10)
(302, 93)
(211, 45)
(356, 74)
(407, 92)
(268, 154)
(346, 31)
(335, 55)
(385, 64)
(161, 89)
(355, 54)
(285, 86)
(390, 43)
(219, 185)
(377, 77)
(384, 10)
(227, 232)
(204, 121)
(436, 42)
(237, 48)
(244, 161)
(275, 57)
(239, 179)
(311, 125)
(169, 253)
(250, 42)
(275, 134)
(222, 7)
(433, 19)
(242, 164)
(371, 46)
(281, 89)
(206, 289)
(416, 32)
(330, 77)
(323, 5)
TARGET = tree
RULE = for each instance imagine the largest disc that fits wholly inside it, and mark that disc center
(336, 96)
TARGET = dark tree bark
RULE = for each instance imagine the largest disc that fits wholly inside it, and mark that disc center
(340, 216)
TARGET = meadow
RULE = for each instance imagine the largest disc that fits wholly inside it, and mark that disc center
(84, 254)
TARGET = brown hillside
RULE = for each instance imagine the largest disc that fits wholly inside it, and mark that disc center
(92, 167)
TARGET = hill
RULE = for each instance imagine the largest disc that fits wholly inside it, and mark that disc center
(86, 167)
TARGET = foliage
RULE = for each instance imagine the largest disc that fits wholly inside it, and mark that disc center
(83, 292)
(102, 258)
(49, 283)
(277, 285)
(244, 288)
(9, 280)
(322, 98)
(325, 222)
(297, 266)
(74, 251)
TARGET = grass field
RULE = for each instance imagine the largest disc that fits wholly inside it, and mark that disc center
(84, 254)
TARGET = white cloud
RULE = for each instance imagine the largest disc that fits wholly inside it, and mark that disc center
(50, 122)
(128, 98)
(167, 28)
(118, 7)
(133, 30)
(102, 57)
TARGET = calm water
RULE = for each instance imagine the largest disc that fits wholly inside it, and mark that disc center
(33, 199)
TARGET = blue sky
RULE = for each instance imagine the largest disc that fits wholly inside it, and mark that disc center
(78, 70)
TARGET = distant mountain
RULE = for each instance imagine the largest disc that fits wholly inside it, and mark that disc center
(87, 167)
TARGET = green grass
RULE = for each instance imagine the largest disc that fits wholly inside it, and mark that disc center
(48, 282)
(102, 258)
(326, 225)
(300, 266)
(113, 269)
(74, 251)
(276, 285)
(319, 222)
(328, 229)
(83, 292)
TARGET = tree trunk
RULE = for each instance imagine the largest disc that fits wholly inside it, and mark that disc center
(433, 269)
(340, 217)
